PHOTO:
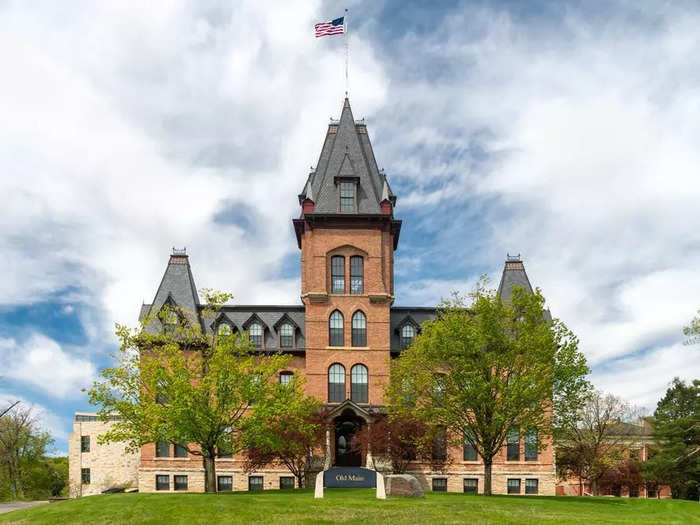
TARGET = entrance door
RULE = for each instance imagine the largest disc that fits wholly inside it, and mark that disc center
(347, 451)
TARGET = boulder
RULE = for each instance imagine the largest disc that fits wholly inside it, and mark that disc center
(403, 485)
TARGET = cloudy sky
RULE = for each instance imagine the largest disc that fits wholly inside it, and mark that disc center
(566, 132)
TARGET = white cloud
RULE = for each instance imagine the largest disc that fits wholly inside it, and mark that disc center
(41, 364)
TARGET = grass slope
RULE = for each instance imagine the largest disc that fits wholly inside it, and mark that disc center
(352, 506)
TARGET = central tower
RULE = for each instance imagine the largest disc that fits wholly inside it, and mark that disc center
(347, 235)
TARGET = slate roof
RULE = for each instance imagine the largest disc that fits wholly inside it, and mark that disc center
(513, 275)
(347, 152)
(239, 315)
(400, 315)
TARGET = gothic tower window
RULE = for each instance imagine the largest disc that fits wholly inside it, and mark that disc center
(359, 329)
(356, 274)
(337, 274)
(358, 384)
(335, 329)
(336, 383)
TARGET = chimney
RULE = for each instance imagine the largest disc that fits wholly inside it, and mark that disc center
(178, 256)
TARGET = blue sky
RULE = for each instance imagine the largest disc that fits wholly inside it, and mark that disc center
(563, 131)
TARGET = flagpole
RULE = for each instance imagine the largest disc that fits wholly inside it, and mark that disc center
(347, 53)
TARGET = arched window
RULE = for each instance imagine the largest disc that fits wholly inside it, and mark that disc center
(358, 384)
(408, 333)
(286, 335)
(224, 329)
(357, 274)
(337, 274)
(335, 329)
(336, 383)
(359, 329)
(255, 331)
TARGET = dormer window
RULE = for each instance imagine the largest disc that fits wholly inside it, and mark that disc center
(286, 335)
(170, 321)
(255, 331)
(224, 330)
(408, 334)
(347, 196)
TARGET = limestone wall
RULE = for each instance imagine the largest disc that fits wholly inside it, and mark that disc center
(110, 465)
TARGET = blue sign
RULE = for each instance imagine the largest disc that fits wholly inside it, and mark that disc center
(347, 477)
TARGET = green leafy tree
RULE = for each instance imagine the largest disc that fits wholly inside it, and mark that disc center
(482, 370)
(23, 446)
(676, 462)
(184, 386)
(692, 331)
(598, 438)
(289, 432)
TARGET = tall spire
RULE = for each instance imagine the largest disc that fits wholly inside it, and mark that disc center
(513, 275)
(347, 156)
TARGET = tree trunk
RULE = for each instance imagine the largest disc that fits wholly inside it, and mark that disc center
(594, 486)
(209, 473)
(580, 486)
(300, 479)
(487, 476)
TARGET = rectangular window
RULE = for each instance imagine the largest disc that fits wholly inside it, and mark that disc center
(440, 447)
(513, 486)
(439, 484)
(531, 445)
(85, 476)
(286, 378)
(471, 485)
(180, 451)
(286, 335)
(180, 482)
(84, 443)
(651, 491)
(531, 486)
(162, 449)
(469, 452)
(634, 491)
(356, 274)
(347, 196)
(224, 483)
(255, 483)
(337, 274)
(286, 482)
(162, 482)
(513, 445)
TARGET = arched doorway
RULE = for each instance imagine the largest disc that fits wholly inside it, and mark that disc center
(348, 453)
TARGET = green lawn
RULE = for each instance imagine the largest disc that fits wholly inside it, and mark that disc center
(353, 506)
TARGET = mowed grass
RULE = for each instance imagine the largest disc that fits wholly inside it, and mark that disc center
(352, 506)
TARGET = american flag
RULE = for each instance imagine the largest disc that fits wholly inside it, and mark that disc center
(332, 27)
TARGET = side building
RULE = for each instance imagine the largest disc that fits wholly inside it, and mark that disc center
(93, 468)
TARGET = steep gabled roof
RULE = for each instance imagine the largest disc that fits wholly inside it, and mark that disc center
(513, 275)
(177, 286)
(347, 153)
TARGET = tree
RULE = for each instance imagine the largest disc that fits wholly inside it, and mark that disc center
(289, 431)
(22, 445)
(597, 439)
(692, 331)
(481, 371)
(400, 439)
(184, 386)
(677, 433)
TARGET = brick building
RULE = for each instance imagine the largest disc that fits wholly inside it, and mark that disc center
(344, 333)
